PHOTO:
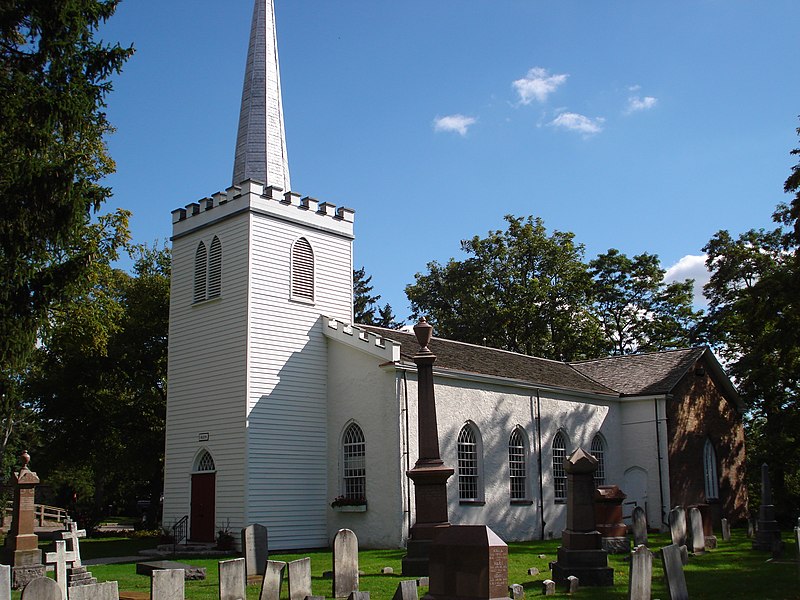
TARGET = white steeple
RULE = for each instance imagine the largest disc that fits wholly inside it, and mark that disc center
(261, 141)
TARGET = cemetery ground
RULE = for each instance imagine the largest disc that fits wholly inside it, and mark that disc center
(733, 570)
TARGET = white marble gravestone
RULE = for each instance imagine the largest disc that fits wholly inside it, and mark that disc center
(299, 578)
(167, 584)
(641, 577)
(639, 527)
(406, 590)
(5, 582)
(232, 579)
(59, 560)
(273, 580)
(42, 588)
(107, 590)
(673, 572)
(677, 525)
(698, 537)
(345, 563)
(255, 548)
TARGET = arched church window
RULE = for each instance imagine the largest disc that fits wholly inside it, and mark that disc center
(468, 461)
(354, 472)
(302, 271)
(200, 272)
(517, 451)
(215, 268)
(205, 462)
(598, 451)
(710, 471)
(559, 474)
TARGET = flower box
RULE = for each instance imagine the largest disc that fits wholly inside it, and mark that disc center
(352, 508)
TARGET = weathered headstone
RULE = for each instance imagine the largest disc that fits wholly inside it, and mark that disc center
(22, 544)
(59, 560)
(533, 571)
(468, 562)
(255, 548)
(768, 532)
(726, 530)
(797, 538)
(273, 580)
(107, 590)
(387, 571)
(232, 579)
(573, 583)
(581, 552)
(5, 582)
(299, 578)
(423, 581)
(641, 578)
(517, 591)
(697, 537)
(707, 520)
(548, 587)
(608, 501)
(345, 563)
(167, 584)
(751, 527)
(190, 572)
(677, 525)
(639, 527)
(42, 588)
(406, 590)
(673, 572)
(356, 595)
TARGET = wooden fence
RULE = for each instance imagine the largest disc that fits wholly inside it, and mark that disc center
(44, 514)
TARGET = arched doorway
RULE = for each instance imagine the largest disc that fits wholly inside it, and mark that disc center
(634, 484)
(204, 491)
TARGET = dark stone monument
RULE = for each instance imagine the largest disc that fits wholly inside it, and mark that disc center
(608, 501)
(768, 533)
(581, 553)
(429, 474)
(22, 544)
(468, 561)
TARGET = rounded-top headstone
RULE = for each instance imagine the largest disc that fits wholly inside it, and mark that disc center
(42, 588)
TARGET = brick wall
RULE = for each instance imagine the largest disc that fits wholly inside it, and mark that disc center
(697, 412)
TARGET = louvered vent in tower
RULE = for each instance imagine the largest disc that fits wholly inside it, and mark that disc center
(302, 271)
(200, 272)
(215, 268)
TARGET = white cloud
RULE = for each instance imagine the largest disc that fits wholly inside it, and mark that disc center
(580, 123)
(638, 104)
(458, 123)
(537, 85)
(691, 266)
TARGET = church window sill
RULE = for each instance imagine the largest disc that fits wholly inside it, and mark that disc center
(356, 508)
(521, 502)
(471, 502)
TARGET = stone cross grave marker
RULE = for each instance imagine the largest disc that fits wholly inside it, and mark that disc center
(299, 578)
(406, 590)
(59, 560)
(640, 582)
(70, 535)
(167, 584)
(5, 582)
(726, 530)
(673, 572)
(107, 590)
(677, 525)
(273, 580)
(42, 588)
(345, 563)
(255, 548)
(232, 579)
(698, 537)
(639, 527)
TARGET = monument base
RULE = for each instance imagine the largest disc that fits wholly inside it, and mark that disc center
(617, 544)
(767, 535)
(589, 566)
(415, 562)
(22, 576)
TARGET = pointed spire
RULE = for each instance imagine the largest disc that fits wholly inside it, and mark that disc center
(261, 141)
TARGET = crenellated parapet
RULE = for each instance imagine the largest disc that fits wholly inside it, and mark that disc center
(268, 200)
(363, 340)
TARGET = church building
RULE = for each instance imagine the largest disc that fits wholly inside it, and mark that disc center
(282, 411)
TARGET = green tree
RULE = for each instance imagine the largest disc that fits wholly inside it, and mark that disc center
(519, 289)
(638, 311)
(365, 305)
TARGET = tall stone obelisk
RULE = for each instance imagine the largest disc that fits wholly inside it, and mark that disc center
(22, 544)
(429, 474)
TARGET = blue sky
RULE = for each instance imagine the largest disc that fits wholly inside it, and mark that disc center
(642, 126)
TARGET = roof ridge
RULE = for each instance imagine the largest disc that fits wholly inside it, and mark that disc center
(636, 355)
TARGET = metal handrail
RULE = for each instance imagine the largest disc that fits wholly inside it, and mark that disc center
(179, 532)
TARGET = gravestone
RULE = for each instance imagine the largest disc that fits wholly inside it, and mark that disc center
(581, 552)
(355, 595)
(573, 583)
(167, 584)
(517, 591)
(548, 587)
(273, 580)
(22, 544)
(641, 577)
(345, 563)
(768, 533)
(639, 527)
(468, 562)
(697, 537)
(42, 588)
(751, 527)
(59, 560)
(797, 538)
(533, 571)
(107, 590)
(608, 501)
(673, 573)
(77, 574)
(708, 525)
(406, 590)
(423, 581)
(726, 530)
(255, 549)
(232, 579)
(299, 578)
(677, 525)
(5, 582)
(387, 571)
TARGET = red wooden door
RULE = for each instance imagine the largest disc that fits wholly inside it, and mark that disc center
(202, 511)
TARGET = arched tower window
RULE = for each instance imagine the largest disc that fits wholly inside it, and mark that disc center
(215, 268)
(302, 271)
(559, 474)
(710, 471)
(598, 451)
(205, 462)
(517, 466)
(468, 451)
(354, 472)
(200, 272)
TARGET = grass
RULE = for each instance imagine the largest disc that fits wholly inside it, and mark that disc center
(733, 570)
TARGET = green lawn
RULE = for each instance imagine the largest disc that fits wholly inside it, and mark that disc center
(730, 571)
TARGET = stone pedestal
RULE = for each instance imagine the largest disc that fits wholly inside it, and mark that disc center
(768, 532)
(581, 553)
(608, 501)
(22, 544)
